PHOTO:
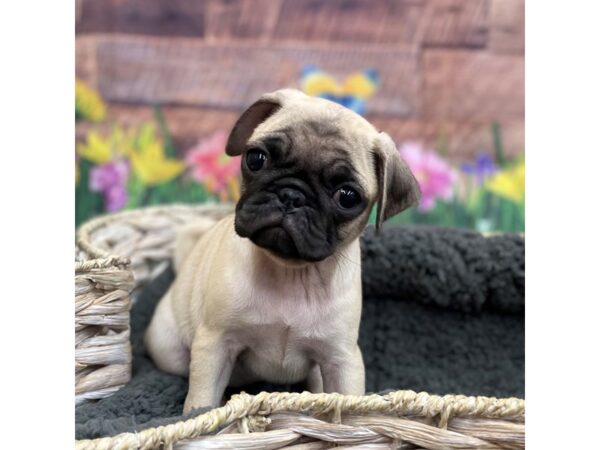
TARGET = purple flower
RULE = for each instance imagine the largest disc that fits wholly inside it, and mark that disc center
(481, 168)
(435, 176)
(111, 179)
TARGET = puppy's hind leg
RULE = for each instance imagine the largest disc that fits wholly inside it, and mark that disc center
(314, 381)
(163, 342)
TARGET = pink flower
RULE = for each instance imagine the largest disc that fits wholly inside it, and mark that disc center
(435, 176)
(110, 179)
(210, 165)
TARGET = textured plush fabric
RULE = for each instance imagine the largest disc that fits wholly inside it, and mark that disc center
(443, 312)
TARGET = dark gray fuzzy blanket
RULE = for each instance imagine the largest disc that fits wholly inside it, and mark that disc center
(443, 313)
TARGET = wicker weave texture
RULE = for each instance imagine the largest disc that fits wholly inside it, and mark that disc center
(115, 255)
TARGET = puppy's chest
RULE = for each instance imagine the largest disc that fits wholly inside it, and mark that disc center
(281, 335)
(291, 314)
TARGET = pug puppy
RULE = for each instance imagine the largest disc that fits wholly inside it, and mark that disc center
(274, 292)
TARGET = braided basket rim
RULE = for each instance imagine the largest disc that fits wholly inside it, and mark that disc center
(403, 402)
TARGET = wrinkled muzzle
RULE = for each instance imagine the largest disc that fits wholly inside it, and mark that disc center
(287, 220)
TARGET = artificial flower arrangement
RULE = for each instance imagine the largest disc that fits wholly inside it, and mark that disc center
(129, 168)
(487, 194)
(481, 194)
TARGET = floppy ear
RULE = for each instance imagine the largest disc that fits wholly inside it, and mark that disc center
(258, 112)
(398, 188)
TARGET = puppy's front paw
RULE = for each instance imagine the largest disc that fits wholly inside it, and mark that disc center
(192, 403)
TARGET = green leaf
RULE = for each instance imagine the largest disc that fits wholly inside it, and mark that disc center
(167, 138)
(135, 193)
(87, 203)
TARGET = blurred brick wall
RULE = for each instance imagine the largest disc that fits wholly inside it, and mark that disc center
(449, 68)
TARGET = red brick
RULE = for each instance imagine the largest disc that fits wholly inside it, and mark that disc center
(150, 17)
(455, 23)
(474, 85)
(507, 28)
(85, 60)
(241, 19)
(188, 72)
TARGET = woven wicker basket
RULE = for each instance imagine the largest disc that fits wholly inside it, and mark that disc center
(117, 254)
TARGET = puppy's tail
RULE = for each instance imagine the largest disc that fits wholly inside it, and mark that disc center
(187, 237)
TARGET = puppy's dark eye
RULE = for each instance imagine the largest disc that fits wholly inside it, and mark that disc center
(256, 159)
(347, 197)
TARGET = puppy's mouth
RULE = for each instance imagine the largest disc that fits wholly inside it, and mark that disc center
(281, 234)
(277, 240)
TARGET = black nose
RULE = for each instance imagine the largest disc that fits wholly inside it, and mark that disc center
(292, 198)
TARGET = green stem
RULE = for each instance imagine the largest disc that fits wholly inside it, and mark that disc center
(498, 148)
(167, 138)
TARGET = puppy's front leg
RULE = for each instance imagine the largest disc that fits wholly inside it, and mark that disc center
(210, 369)
(345, 375)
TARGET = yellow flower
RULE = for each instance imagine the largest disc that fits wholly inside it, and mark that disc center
(509, 184)
(144, 150)
(362, 85)
(149, 162)
(101, 150)
(317, 83)
(97, 149)
(88, 103)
